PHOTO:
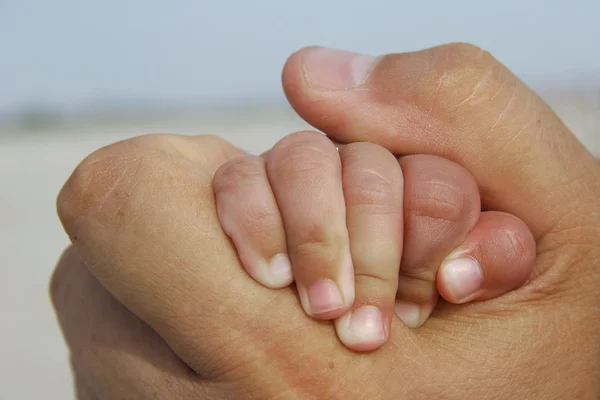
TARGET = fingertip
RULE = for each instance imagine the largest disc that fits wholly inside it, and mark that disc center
(498, 256)
(292, 78)
(273, 274)
(302, 97)
(280, 271)
(293, 65)
(323, 299)
(363, 329)
(459, 279)
(413, 315)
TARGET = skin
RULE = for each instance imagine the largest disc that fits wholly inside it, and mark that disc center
(355, 214)
(143, 219)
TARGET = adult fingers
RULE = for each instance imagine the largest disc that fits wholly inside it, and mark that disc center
(114, 354)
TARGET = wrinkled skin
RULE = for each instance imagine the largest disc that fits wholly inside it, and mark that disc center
(186, 322)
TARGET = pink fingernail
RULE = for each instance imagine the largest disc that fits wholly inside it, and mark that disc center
(412, 314)
(366, 323)
(462, 276)
(336, 69)
(409, 313)
(280, 270)
(362, 328)
(324, 296)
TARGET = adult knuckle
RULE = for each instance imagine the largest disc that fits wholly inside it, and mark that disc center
(94, 181)
(463, 49)
(207, 151)
(469, 76)
(119, 181)
(462, 59)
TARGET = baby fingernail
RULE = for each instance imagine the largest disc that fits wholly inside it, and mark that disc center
(366, 323)
(280, 269)
(362, 328)
(409, 313)
(462, 277)
(323, 296)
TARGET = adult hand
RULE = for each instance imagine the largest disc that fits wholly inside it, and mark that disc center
(141, 214)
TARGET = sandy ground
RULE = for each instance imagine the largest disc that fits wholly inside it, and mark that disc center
(33, 362)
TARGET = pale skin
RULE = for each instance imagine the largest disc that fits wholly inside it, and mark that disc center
(165, 310)
(365, 234)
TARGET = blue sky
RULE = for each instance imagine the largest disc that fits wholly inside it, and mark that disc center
(67, 53)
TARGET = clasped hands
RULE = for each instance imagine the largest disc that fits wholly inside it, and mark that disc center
(493, 204)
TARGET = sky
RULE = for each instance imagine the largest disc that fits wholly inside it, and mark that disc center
(70, 53)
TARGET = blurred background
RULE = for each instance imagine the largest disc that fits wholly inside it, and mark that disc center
(78, 75)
